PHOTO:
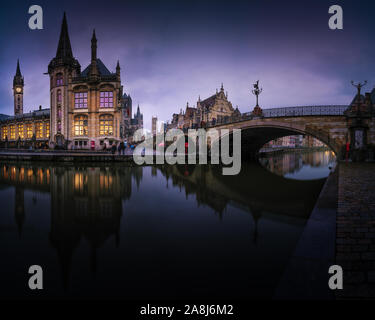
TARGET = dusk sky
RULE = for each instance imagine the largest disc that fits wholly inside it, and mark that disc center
(171, 52)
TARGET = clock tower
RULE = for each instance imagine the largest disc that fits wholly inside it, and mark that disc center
(18, 91)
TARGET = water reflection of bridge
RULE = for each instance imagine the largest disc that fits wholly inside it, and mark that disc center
(250, 190)
(87, 202)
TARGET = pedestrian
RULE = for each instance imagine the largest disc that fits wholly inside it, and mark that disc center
(114, 147)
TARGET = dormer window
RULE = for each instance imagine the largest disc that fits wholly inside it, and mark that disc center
(106, 99)
(59, 79)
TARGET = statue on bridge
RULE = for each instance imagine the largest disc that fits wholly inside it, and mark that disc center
(257, 91)
(359, 86)
(257, 111)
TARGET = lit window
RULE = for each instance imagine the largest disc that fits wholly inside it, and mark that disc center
(29, 131)
(47, 129)
(20, 131)
(106, 125)
(80, 126)
(39, 130)
(80, 100)
(59, 98)
(106, 99)
(13, 132)
(4, 132)
(59, 79)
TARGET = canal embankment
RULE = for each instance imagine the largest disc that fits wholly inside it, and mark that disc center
(355, 242)
(306, 275)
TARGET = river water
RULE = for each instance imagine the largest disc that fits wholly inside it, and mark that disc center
(101, 231)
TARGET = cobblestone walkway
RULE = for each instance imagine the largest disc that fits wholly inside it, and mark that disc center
(355, 242)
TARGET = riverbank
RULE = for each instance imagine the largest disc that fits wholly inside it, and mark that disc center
(355, 242)
(306, 276)
(64, 156)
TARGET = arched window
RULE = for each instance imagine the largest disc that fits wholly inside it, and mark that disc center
(4, 132)
(106, 125)
(47, 129)
(39, 130)
(59, 98)
(80, 125)
(59, 79)
(12, 132)
(29, 130)
(20, 131)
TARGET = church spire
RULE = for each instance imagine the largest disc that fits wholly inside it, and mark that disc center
(64, 49)
(118, 70)
(18, 79)
(18, 71)
(94, 68)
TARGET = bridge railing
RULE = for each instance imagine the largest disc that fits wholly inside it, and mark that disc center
(332, 110)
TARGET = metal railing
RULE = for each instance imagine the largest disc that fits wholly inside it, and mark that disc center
(331, 110)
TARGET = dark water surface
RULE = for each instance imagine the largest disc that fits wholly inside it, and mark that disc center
(150, 232)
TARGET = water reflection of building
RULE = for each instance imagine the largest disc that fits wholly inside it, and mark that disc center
(294, 161)
(86, 203)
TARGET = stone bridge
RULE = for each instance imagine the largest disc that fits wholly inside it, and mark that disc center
(333, 125)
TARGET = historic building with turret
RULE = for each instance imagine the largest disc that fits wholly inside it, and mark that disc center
(87, 108)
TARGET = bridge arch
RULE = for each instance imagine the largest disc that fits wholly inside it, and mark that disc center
(255, 134)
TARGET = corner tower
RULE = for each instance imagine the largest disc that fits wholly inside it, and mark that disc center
(18, 85)
(61, 69)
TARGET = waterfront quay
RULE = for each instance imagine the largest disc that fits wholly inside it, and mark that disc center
(355, 241)
(66, 156)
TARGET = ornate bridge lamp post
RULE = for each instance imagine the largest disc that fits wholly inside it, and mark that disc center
(257, 111)
(358, 115)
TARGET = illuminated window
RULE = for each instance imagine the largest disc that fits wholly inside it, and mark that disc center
(80, 100)
(106, 125)
(59, 96)
(29, 131)
(4, 132)
(59, 79)
(106, 99)
(20, 131)
(39, 130)
(13, 132)
(47, 129)
(80, 126)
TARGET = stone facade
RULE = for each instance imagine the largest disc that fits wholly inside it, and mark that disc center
(88, 108)
(215, 108)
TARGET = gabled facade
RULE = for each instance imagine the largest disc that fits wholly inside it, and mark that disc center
(86, 107)
(216, 108)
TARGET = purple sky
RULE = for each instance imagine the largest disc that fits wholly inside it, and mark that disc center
(172, 51)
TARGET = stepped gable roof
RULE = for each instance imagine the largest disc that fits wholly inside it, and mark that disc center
(209, 102)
